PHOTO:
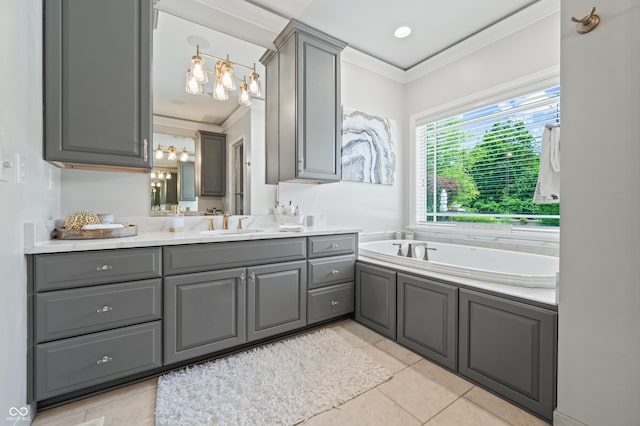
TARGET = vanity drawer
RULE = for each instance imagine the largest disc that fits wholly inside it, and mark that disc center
(67, 313)
(69, 270)
(212, 256)
(331, 270)
(331, 245)
(71, 364)
(329, 302)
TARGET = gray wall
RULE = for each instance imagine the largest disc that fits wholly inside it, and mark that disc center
(20, 133)
(599, 314)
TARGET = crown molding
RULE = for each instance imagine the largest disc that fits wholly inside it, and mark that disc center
(373, 64)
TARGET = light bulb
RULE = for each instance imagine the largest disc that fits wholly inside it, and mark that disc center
(199, 69)
(172, 154)
(158, 184)
(192, 86)
(228, 81)
(219, 92)
(159, 153)
(244, 99)
(152, 175)
(167, 175)
(184, 156)
(254, 84)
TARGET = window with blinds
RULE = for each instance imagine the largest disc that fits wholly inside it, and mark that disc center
(482, 165)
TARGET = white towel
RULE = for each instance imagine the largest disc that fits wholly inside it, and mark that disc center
(548, 186)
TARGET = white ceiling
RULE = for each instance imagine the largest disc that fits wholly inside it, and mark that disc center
(245, 28)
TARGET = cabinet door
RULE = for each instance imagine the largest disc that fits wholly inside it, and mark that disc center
(204, 313)
(97, 108)
(319, 110)
(277, 299)
(509, 347)
(187, 181)
(376, 299)
(211, 164)
(428, 318)
(272, 170)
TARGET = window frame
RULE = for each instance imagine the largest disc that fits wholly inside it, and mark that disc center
(509, 90)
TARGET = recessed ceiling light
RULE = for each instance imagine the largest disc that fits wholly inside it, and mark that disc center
(402, 32)
(194, 40)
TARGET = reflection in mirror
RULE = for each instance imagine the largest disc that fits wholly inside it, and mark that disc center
(180, 114)
(172, 180)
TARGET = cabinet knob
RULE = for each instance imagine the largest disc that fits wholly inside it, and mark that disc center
(334, 271)
(242, 277)
(105, 308)
(334, 302)
(104, 268)
(252, 277)
(105, 359)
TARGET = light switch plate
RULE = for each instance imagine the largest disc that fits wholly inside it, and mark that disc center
(20, 168)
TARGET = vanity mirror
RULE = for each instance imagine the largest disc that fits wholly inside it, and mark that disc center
(179, 115)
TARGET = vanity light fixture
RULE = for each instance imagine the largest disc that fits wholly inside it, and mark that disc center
(172, 153)
(184, 156)
(225, 79)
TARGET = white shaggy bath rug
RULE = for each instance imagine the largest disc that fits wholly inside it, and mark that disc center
(283, 383)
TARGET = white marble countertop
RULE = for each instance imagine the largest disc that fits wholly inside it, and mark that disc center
(542, 295)
(165, 238)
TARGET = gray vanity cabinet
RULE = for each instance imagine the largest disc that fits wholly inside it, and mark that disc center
(204, 313)
(510, 348)
(276, 299)
(187, 181)
(376, 299)
(97, 109)
(211, 164)
(428, 318)
(309, 115)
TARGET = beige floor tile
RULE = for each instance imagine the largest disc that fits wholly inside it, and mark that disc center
(417, 394)
(444, 378)
(389, 362)
(58, 419)
(370, 409)
(137, 409)
(465, 413)
(502, 408)
(402, 353)
(356, 334)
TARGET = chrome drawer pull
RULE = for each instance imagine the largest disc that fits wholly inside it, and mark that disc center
(334, 271)
(105, 359)
(334, 245)
(334, 302)
(105, 308)
(104, 268)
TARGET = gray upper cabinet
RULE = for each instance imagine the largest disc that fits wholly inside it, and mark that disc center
(510, 348)
(428, 318)
(98, 83)
(211, 164)
(308, 114)
(187, 181)
(376, 299)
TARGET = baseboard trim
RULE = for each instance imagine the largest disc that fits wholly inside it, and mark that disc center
(560, 419)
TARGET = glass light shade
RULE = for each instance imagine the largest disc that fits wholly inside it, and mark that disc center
(167, 175)
(172, 154)
(219, 92)
(159, 153)
(228, 81)
(184, 156)
(152, 175)
(254, 84)
(192, 86)
(244, 98)
(158, 184)
(199, 69)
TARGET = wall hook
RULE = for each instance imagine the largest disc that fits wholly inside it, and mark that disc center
(588, 23)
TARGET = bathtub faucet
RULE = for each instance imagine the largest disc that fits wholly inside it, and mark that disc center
(426, 250)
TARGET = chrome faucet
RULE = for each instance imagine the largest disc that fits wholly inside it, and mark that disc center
(426, 250)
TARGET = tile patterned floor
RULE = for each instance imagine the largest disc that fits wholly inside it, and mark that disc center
(419, 393)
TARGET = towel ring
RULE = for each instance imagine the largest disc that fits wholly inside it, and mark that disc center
(588, 23)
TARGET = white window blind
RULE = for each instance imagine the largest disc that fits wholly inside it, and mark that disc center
(482, 165)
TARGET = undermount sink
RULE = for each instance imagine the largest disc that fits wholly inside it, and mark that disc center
(230, 231)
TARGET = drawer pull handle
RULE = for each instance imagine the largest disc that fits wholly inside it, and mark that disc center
(334, 302)
(334, 245)
(104, 268)
(105, 359)
(334, 271)
(105, 309)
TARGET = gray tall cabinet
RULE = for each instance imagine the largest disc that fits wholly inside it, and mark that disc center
(304, 115)
(98, 108)
(211, 164)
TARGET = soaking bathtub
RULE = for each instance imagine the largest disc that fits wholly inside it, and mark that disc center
(476, 263)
